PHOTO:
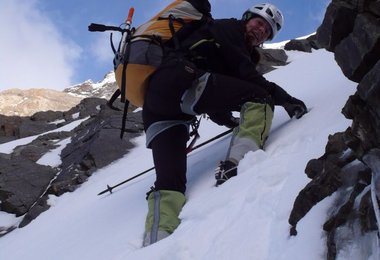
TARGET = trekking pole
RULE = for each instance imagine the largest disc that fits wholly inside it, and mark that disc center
(127, 35)
(110, 188)
(212, 139)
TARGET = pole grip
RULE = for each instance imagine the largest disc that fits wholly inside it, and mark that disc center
(130, 15)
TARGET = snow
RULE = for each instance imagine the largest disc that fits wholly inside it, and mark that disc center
(53, 157)
(56, 122)
(245, 218)
(75, 115)
(10, 146)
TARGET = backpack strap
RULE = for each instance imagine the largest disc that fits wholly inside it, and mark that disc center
(123, 83)
(110, 102)
(172, 30)
(186, 30)
(124, 120)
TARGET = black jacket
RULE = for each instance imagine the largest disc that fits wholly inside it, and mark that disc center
(220, 47)
(202, 6)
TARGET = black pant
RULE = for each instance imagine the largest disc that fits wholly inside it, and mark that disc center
(162, 102)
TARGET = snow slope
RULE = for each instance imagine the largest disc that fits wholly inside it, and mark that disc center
(245, 218)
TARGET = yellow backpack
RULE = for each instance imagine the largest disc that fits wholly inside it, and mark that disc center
(140, 49)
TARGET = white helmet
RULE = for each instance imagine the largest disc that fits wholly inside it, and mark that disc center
(270, 13)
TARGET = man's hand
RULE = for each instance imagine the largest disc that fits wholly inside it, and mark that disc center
(295, 107)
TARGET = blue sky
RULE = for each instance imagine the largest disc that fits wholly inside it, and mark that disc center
(46, 44)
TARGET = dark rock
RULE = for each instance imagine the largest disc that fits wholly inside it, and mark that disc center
(305, 45)
(313, 41)
(372, 6)
(362, 136)
(323, 185)
(9, 126)
(86, 108)
(367, 214)
(313, 167)
(95, 144)
(337, 24)
(6, 139)
(37, 208)
(346, 203)
(270, 58)
(40, 146)
(360, 51)
(6, 230)
(30, 128)
(350, 167)
(47, 116)
(369, 90)
(14, 127)
(22, 182)
(298, 45)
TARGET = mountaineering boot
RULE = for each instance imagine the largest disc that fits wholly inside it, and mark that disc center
(164, 207)
(225, 170)
(249, 136)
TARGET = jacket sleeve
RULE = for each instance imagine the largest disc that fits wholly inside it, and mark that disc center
(229, 34)
(224, 119)
(202, 6)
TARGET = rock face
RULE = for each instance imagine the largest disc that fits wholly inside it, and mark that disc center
(350, 167)
(305, 45)
(270, 58)
(25, 184)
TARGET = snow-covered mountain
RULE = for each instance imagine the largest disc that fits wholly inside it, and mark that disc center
(102, 89)
(246, 218)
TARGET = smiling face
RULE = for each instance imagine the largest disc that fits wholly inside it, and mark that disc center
(257, 31)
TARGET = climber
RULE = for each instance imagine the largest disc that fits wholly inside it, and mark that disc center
(212, 71)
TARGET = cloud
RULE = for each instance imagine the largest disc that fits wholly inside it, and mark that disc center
(100, 47)
(319, 15)
(33, 53)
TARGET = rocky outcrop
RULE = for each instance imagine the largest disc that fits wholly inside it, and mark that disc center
(25, 184)
(305, 45)
(350, 167)
(270, 59)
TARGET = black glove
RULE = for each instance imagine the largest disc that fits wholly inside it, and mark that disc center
(225, 119)
(295, 107)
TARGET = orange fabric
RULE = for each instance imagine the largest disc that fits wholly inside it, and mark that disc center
(137, 74)
(136, 81)
(160, 27)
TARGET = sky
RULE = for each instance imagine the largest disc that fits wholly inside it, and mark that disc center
(245, 218)
(46, 44)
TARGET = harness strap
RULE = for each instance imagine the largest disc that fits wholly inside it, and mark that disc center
(194, 132)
